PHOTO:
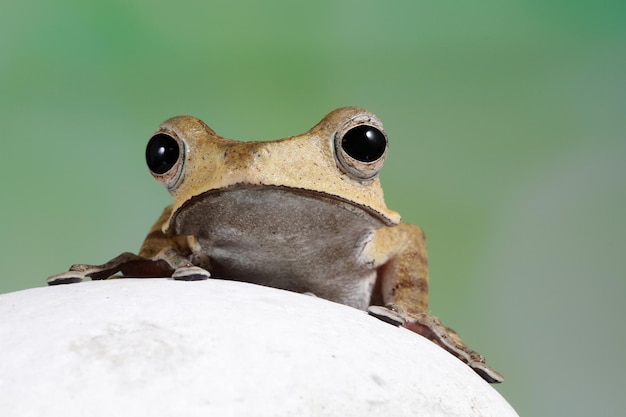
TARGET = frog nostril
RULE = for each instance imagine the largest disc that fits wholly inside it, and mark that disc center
(364, 143)
(162, 153)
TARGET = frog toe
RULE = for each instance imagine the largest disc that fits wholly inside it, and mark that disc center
(190, 273)
(386, 314)
(487, 373)
(70, 277)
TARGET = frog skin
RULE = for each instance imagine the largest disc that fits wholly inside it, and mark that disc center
(305, 213)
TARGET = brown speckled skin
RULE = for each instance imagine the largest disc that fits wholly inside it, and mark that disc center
(296, 213)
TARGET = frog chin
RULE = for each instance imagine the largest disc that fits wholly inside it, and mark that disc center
(283, 237)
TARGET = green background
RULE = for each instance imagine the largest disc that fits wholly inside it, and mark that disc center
(507, 129)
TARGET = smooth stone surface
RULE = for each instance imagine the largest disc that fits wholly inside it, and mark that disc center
(158, 347)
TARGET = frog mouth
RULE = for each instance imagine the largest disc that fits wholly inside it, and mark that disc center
(243, 206)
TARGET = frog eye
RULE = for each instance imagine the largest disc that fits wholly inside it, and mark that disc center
(364, 143)
(361, 148)
(162, 153)
(163, 156)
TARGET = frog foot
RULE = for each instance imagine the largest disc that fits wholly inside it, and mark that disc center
(190, 273)
(431, 328)
(127, 263)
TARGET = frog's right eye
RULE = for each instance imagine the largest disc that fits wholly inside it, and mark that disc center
(164, 158)
(162, 153)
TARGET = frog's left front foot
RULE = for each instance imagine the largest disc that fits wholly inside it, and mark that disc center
(432, 329)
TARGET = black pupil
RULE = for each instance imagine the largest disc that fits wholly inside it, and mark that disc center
(364, 143)
(162, 153)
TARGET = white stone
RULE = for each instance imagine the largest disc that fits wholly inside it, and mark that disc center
(158, 347)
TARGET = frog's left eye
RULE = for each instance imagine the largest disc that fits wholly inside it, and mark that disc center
(361, 148)
(364, 143)
(163, 156)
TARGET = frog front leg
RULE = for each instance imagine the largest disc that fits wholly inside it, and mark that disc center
(159, 256)
(402, 287)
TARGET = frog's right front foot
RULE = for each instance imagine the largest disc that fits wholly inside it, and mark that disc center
(131, 265)
(127, 264)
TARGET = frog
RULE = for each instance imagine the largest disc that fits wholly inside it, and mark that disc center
(305, 213)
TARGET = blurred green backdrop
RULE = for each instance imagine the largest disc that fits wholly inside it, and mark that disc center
(507, 129)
